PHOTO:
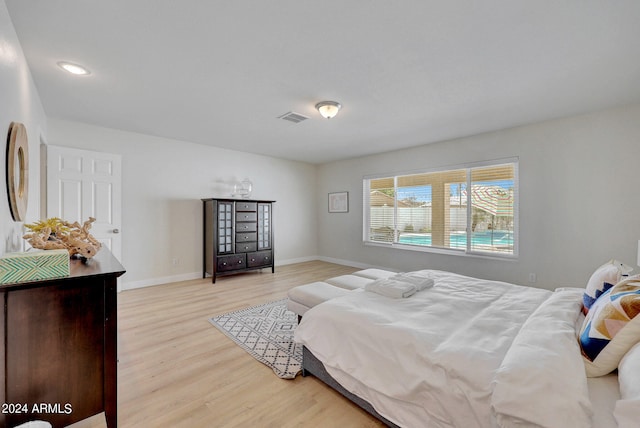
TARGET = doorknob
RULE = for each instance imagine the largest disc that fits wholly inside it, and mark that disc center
(116, 231)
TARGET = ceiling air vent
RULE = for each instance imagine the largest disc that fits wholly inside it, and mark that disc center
(293, 117)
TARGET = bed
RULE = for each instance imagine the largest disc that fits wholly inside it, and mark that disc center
(464, 353)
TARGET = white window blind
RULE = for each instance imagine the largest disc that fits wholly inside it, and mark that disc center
(382, 201)
(493, 209)
(467, 209)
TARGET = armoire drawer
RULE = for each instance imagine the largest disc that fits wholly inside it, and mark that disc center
(234, 262)
(246, 206)
(246, 227)
(246, 237)
(246, 247)
(260, 258)
(242, 216)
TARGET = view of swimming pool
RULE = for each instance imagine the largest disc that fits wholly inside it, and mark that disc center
(488, 238)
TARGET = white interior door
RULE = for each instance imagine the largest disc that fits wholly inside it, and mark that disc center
(83, 184)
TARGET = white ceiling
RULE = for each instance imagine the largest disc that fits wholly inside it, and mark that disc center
(407, 72)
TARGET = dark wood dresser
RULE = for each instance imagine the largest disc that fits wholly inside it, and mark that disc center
(238, 236)
(60, 346)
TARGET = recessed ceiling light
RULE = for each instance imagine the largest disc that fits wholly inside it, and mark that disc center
(73, 68)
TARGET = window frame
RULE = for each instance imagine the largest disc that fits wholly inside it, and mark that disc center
(467, 251)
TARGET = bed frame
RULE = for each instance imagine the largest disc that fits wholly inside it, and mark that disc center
(312, 366)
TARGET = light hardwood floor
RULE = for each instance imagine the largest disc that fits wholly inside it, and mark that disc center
(177, 370)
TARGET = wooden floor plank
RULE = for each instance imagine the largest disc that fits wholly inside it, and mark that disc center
(176, 370)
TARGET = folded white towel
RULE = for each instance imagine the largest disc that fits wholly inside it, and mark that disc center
(391, 288)
(421, 282)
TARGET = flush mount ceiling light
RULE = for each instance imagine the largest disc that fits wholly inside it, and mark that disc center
(73, 68)
(328, 109)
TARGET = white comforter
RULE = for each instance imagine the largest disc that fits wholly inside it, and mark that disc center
(430, 360)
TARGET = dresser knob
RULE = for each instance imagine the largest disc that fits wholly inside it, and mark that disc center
(239, 262)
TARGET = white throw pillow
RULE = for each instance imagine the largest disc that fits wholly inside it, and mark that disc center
(629, 374)
(626, 413)
(605, 277)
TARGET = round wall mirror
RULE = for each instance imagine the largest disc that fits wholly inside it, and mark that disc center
(17, 170)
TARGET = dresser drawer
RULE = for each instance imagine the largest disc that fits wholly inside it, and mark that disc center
(246, 206)
(261, 258)
(246, 227)
(226, 263)
(246, 237)
(246, 216)
(246, 247)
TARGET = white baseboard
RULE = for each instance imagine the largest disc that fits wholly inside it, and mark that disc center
(343, 262)
(161, 280)
(198, 275)
(296, 260)
(352, 263)
(330, 260)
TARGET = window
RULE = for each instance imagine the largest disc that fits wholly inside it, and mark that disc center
(470, 209)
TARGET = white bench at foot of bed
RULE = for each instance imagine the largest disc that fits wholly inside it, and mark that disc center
(349, 282)
(304, 297)
(375, 273)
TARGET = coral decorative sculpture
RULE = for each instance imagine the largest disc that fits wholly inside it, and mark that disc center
(54, 233)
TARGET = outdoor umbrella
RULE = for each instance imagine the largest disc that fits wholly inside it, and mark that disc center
(494, 200)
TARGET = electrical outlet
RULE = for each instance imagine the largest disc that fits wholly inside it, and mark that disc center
(175, 262)
(533, 277)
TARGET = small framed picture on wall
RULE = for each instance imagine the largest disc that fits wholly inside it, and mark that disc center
(339, 202)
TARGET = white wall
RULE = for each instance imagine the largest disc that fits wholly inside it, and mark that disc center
(579, 205)
(163, 181)
(19, 102)
(578, 187)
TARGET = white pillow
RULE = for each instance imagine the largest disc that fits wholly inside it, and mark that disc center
(629, 374)
(626, 413)
(627, 409)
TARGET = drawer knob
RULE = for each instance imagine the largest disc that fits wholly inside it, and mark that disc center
(239, 262)
(224, 263)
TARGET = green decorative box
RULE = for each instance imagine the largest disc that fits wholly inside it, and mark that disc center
(33, 266)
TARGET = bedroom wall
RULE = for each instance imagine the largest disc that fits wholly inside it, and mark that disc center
(578, 183)
(19, 102)
(163, 181)
(578, 199)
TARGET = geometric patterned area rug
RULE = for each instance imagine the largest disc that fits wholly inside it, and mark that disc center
(266, 332)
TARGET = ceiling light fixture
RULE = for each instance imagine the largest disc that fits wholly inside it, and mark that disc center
(328, 109)
(73, 68)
